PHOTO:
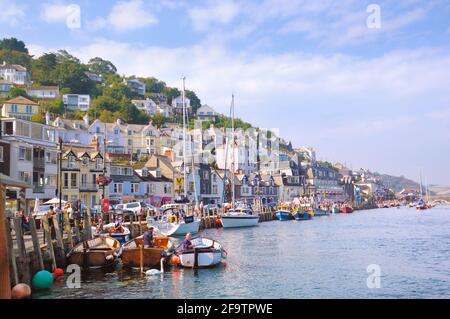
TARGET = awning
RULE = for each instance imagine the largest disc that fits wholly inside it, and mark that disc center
(8, 181)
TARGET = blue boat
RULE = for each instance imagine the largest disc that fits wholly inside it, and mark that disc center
(283, 215)
(302, 216)
(321, 212)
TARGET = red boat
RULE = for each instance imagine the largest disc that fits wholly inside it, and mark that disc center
(346, 210)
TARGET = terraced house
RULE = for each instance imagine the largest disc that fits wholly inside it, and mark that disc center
(20, 108)
(80, 169)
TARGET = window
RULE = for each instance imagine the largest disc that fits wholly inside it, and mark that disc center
(134, 187)
(118, 187)
(98, 163)
(130, 132)
(71, 161)
(25, 177)
(97, 130)
(148, 142)
(214, 189)
(214, 178)
(66, 180)
(130, 142)
(48, 157)
(1, 153)
(116, 131)
(73, 180)
(85, 160)
(29, 109)
(14, 108)
(24, 153)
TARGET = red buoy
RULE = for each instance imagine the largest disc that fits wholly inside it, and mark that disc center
(58, 272)
(175, 260)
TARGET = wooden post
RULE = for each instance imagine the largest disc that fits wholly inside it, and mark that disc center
(36, 244)
(68, 230)
(87, 225)
(141, 257)
(5, 284)
(140, 224)
(59, 242)
(77, 231)
(49, 240)
(25, 267)
(11, 257)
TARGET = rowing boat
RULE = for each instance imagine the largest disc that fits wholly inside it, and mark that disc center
(205, 252)
(134, 254)
(95, 253)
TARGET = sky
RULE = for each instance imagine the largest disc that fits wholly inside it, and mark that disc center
(366, 83)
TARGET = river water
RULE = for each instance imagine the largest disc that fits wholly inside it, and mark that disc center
(326, 257)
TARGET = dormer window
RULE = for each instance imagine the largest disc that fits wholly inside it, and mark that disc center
(71, 161)
(85, 160)
(158, 174)
(97, 130)
(145, 172)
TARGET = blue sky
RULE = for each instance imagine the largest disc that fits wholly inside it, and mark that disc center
(371, 97)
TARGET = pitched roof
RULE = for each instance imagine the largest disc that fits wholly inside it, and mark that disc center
(42, 87)
(21, 100)
(12, 66)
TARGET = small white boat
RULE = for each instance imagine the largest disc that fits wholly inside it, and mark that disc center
(176, 228)
(239, 218)
(205, 253)
(122, 234)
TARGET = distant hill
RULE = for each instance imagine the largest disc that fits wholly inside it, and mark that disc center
(397, 183)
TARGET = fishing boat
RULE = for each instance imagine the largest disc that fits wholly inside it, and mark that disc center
(121, 233)
(321, 212)
(335, 210)
(346, 210)
(239, 217)
(205, 252)
(95, 253)
(421, 205)
(135, 255)
(283, 213)
(174, 222)
(300, 215)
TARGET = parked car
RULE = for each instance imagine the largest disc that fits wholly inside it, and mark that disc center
(136, 207)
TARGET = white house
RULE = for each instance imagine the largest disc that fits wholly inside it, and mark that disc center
(205, 112)
(14, 73)
(177, 104)
(136, 86)
(81, 102)
(147, 105)
(5, 86)
(43, 92)
(73, 132)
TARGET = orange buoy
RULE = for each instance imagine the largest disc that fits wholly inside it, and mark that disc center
(21, 291)
(58, 272)
(219, 221)
(175, 260)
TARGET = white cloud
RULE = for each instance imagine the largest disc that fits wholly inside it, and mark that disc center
(216, 12)
(55, 12)
(11, 13)
(125, 16)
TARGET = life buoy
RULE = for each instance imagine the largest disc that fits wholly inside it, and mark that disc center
(173, 219)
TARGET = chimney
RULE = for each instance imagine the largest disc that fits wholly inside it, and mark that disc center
(94, 143)
(47, 118)
(86, 119)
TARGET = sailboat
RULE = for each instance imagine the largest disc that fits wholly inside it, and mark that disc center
(237, 216)
(421, 204)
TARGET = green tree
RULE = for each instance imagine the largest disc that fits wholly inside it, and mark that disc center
(153, 85)
(43, 67)
(105, 103)
(99, 66)
(158, 120)
(38, 118)
(107, 116)
(63, 56)
(17, 91)
(118, 91)
(171, 93)
(56, 107)
(13, 44)
(194, 100)
(72, 75)
(16, 57)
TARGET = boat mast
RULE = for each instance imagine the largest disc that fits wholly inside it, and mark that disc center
(233, 155)
(420, 177)
(184, 136)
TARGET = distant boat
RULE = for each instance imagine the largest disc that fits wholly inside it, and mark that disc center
(95, 253)
(239, 218)
(299, 215)
(283, 213)
(133, 252)
(122, 233)
(321, 212)
(170, 225)
(205, 253)
(346, 210)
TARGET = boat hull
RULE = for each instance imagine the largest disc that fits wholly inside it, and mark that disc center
(239, 221)
(283, 215)
(206, 253)
(302, 216)
(95, 253)
(346, 210)
(320, 212)
(151, 257)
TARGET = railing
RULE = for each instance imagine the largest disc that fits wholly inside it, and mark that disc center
(88, 187)
(37, 188)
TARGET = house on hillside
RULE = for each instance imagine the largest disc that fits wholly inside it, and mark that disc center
(136, 86)
(43, 92)
(14, 73)
(207, 113)
(20, 108)
(74, 102)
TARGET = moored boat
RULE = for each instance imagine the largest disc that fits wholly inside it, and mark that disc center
(300, 215)
(205, 252)
(174, 222)
(95, 253)
(121, 233)
(346, 210)
(321, 212)
(134, 254)
(283, 213)
(335, 210)
(239, 218)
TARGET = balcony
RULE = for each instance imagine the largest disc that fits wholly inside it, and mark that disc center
(38, 189)
(88, 187)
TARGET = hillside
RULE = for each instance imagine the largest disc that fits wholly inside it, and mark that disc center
(397, 183)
